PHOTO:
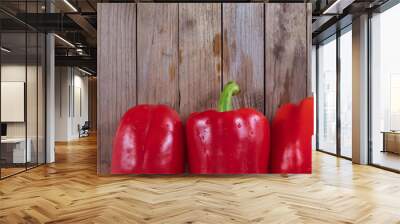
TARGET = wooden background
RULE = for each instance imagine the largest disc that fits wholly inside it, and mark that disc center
(181, 54)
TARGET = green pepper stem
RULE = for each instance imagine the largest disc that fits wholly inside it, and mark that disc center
(225, 100)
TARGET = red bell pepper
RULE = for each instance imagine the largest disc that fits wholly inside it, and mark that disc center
(149, 140)
(226, 141)
(291, 138)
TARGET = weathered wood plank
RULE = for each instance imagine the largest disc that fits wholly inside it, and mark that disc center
(309, 49)
(157, 30)
(189, 37)
(243, 52)
(116, 73)
(286, 57)
(199, 56)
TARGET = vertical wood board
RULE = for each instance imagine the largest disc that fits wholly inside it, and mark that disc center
(157, 30)
(199, 56)
(286, 58)
(243, 52)
(116, 63)
(309, 49)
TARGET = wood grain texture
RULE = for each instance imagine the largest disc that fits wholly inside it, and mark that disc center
(157, 30)
(309, 49)
(286, 58)
(182, 53)
(69, 191)
(199, 56)
(116, 72)
(243, 52)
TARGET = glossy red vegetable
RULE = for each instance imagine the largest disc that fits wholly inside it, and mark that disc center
(226, 141)
(291, 138)
(149, 140)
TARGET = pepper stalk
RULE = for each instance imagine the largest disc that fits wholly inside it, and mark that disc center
(225, 100)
